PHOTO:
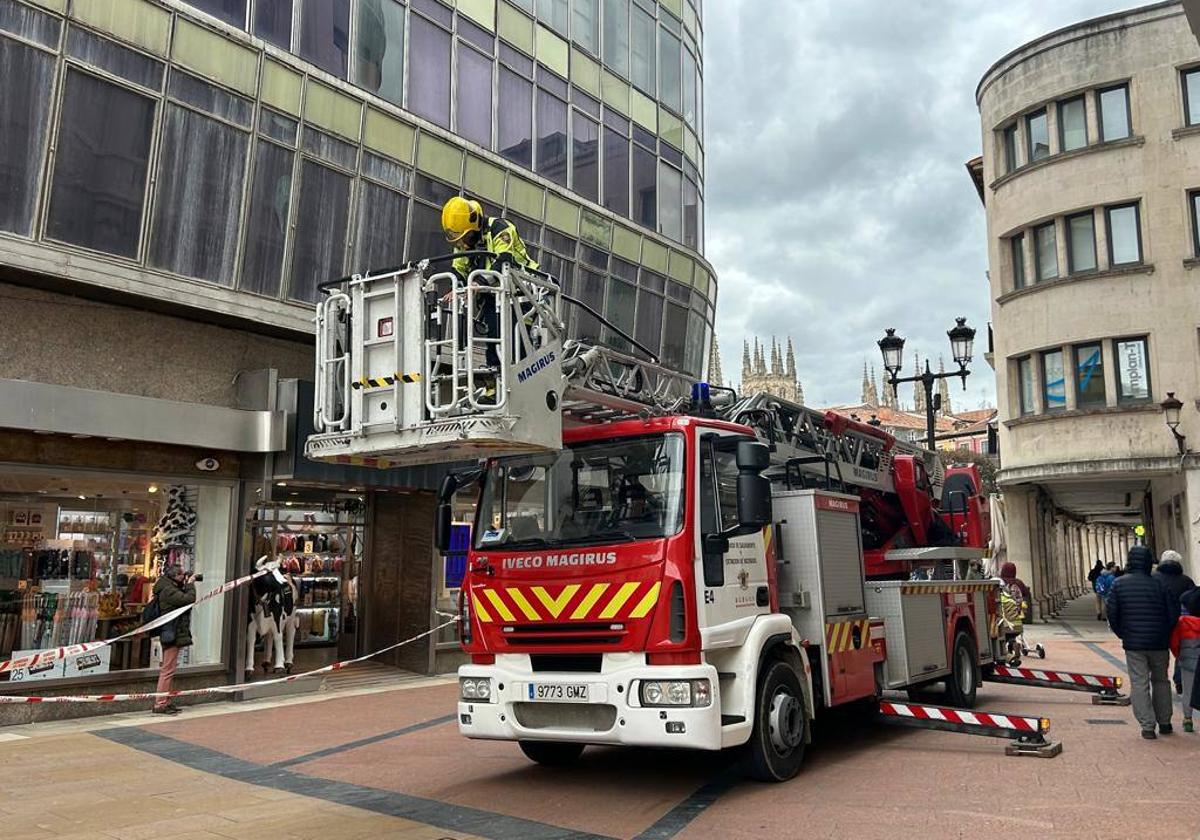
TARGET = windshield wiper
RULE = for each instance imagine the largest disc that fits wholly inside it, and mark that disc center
(603, 536)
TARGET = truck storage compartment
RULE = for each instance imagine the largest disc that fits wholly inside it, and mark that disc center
(914, 627)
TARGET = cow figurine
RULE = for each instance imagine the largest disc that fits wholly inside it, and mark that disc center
(272, 617)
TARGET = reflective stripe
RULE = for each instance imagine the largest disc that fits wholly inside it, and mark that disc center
(589, 600)
(523, 605)
(481, 613)
(647, 603)
(501, 607)
(618, 600)
(555, 606)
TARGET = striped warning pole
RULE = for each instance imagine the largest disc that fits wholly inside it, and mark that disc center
(1028, 734)
(1103, 688)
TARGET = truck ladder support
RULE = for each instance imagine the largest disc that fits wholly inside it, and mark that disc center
(1028, 734)
(1104, 688)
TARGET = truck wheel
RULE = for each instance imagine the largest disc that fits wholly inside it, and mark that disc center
(551, 753)
(963, 682)
(775, 750)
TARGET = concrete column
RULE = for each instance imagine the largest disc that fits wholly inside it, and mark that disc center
(1022, 537)
(1191, 512)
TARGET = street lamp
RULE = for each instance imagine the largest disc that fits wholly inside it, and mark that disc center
(962, 340)
(1171, 408)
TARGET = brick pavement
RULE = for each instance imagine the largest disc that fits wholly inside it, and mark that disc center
(387, 764)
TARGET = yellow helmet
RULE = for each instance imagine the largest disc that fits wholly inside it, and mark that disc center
(461, 216)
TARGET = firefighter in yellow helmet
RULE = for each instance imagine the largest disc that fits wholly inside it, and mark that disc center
(468, 228)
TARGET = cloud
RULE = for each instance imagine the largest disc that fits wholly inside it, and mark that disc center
(837, 203)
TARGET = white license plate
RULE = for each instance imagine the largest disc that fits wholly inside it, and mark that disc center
(558, 692)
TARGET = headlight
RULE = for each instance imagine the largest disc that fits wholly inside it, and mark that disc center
(475, 688)
(694, 693)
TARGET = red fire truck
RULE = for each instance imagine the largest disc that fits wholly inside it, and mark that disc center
(653, 562)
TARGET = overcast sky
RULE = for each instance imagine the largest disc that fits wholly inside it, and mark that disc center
(837, 203)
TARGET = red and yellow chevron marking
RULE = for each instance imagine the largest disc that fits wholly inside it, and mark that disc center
(839, 636)
(602, 601)
(946, 588)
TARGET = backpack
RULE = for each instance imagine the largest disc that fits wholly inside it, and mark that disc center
(150, 612)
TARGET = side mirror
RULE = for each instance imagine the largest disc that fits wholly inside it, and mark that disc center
(441, 528)
(753, 502)
(753, 456)
(451, 484)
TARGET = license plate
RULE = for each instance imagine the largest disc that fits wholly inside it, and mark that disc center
(558, 692)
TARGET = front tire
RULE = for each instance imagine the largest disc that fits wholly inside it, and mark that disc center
(775, 750)
(551, 753)
(963, 682)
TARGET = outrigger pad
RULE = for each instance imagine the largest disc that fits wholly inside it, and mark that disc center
(1110, 700)
(1046, 749)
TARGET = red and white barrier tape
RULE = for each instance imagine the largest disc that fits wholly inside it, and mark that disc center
(217, 689)
(53, 654)
(1099, 680)
(995, 721)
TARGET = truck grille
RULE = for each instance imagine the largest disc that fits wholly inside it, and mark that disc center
(578, 633)
(581, 717)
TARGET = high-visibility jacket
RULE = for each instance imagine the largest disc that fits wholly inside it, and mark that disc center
(500, 237)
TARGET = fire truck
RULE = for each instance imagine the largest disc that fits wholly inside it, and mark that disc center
(653, 562)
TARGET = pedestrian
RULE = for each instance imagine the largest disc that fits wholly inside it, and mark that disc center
(1093, 576)
(1008, 573)
(1170, 574)
(1103, 586)
(1143, 616)
(1185, 645)
(176, 588)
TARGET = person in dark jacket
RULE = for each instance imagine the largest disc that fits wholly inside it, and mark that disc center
(176, 588)
(1142, 614)
(1170, 574)
(1008, 573)
(1093, 576)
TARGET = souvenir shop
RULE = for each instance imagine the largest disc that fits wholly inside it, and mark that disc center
(80, 552)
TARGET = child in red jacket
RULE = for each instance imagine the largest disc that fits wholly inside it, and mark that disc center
(1185, 645)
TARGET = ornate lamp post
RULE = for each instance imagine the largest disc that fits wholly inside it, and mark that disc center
(962, 339)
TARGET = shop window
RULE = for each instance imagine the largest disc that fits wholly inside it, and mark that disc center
(201, 162)
(474, 96)
(1017, 248)
(585, 156)
(1046, 252)
(670, 201)
(1133, 370)
(273, 22)
(616, 172)
(267, 220)
(81, 554)
(1072, 124)
(325, 34)
(552, 137)
(1054, 381)
(1081, 243)
(670, 79)
(514, 139)
(1089, 375)
(429, 71)
(585, 24)
(382, 220)
(1114, 119)
(232, 12)
(649, 320)
(24, 116)
(645, 187)
(555, 14)
(1124, 235)
(616, 36)
(379, 49)
(320, 242)
(642, 70)
(1037, 136)
(99, 182)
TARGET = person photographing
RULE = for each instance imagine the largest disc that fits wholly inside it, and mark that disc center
(174, 589)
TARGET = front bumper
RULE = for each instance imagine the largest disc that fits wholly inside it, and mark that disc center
(612, 715)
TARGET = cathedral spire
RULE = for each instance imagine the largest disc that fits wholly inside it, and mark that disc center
(944, 389)
(790, 371)
(746, 371)
(918, 388)
(865, 397)
(714, 364)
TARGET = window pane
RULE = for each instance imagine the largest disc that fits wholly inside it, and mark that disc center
(674, 336)
(1089, 375)
(100, 167)
(114, 58)
(1081, 242)
(379, 49)
(1054, 383)
(267, 221)
(1191, 96)
(1195, 219)
(645, 196)
(277, 126)
(1072, 123)
(1025, 380)
(1123, 245)
(1037, 135)
(552, 138)
(429, 71)
(585, 27)
(515, 130)
(649, 320)
(1010, 148)
(670, 201)
(329, 148)
(616, 36)
(616, 172)
(1018, 261)
(689, 88)
(382, 215)
(554, 13)
(670, 91)
(691, 227)
(320, 244)
(589, 288)
(693, 357)
(641, 42)
(232, 12)
(435, 10)
(195, 229)
(325, 34)
(1047, 252)
(24, 111)
(474, 104)
(1133, 370)
(1114, 113)
(29, 23)
(273, 21)
(585, 151)
(187, 88)
(427, 238)
(621, 299)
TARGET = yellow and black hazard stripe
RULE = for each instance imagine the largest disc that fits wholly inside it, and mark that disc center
(839, 636)
(602, 601)
(929, 588)
(371, 382)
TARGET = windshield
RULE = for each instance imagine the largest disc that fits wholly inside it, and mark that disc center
(606, 491)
